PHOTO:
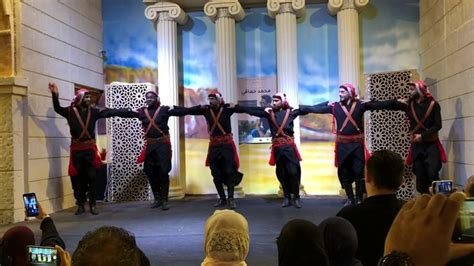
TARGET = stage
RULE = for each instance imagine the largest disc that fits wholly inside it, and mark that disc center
(175, 237)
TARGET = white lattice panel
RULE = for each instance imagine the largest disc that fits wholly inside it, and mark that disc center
(389, 130)
(126, 180)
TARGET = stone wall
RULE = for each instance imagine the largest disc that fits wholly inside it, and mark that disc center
(447, 56)
(61, 42)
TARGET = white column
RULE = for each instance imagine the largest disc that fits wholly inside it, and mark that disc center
(165, 16)
(224, 13)
(285, 12)
(348, 37)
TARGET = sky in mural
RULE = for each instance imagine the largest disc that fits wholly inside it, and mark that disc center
(390, 36)
(389, 42)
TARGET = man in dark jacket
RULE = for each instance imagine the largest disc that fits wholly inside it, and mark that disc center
(351, 153)
(284, 153)
(426, 153)
(222, 155)
(156, 154)
(374, 216)
(84, 157)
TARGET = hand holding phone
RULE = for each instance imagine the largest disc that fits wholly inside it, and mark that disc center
(39, 255)
(443, 186)
(31, 204)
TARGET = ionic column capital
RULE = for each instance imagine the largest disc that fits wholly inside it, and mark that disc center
(165, 11)
(276, 7)
(216, 9)
(335, 6)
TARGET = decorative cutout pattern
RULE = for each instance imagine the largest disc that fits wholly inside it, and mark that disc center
(390, 129)
(126, 180)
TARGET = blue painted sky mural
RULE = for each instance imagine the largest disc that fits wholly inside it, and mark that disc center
(389, 39)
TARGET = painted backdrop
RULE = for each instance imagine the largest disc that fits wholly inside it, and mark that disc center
(389, 41)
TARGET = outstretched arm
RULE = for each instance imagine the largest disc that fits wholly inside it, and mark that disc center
(393, 105)
(196, 110)
(255, 111)
(182, 111)
(321, 108)
(63, 111)
(120, 112)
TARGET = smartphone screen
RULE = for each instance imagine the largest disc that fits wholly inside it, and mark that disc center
(443, 186)
(31, 204)
(466, 221)
(38, 255)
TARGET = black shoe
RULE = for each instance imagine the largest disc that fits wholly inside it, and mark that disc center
(80, 210)
(220, 203)
(232, 204)
(156, 204)
(164, 205)
(297, 203)
(93, 210)
(359, 201)
(286, 203)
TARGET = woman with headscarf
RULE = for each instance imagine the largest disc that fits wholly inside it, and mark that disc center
(340, 240)
(300, 243)
(226, 239)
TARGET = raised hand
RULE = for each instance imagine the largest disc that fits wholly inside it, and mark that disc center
(53, 88)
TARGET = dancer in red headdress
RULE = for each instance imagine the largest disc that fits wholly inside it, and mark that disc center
(156, 154)
(426, 153)
(350, 150)
(284, 153)
(222, 155)
(84, 158)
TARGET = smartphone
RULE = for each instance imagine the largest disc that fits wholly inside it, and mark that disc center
(39, 255)
(31, 204)
(443, 186)
(465, 233)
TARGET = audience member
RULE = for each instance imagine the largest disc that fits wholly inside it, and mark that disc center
(14, 241)
(373, 217)
(109, 245)
(300, 243)
(421, 232)
(469, 187)
(226, 239)
(340, 240)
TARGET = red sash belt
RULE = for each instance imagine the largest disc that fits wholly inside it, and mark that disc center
(433, 139)
(163, 139)
(220, 140)
(350, 139)
(282, 141)
(78, 145)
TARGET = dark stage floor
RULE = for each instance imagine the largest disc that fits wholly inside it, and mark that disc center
(175, 237)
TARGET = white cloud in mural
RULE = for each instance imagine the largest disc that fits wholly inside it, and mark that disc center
(200, 64)
(393, 49)
(314, 82)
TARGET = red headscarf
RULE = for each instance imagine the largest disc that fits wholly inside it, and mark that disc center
(351, 89)
(282, 97)
(217, 95)
(422, 89)
(79, 96)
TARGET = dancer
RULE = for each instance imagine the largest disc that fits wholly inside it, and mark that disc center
(84, 157)
(351, 153)
(222, 155)
(156, 153)
(284, 153)
(426, 153)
